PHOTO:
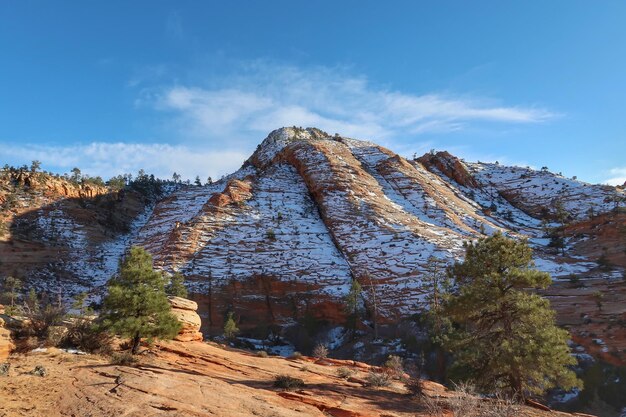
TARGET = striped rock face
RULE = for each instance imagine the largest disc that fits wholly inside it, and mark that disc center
(281, 239)
(284, 236)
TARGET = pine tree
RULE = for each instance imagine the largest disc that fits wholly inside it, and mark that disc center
(353, 305)
(230, 327)
(176, 286)
(10, 289)
(506, 337)
(436, 286)
(136, 305)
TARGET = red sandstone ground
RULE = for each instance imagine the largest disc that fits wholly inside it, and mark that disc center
(199, 379)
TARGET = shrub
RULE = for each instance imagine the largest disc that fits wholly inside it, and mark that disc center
(295, 355)
(230, 327)
(344, 372)
(465, 403)
(124, 359)
(604, 263)
(395, 365)
(25, 343)
(262, 354)
(574, 280)
(287, 382)
(42, 314)
(5, 368)
(320, 351)
(39, 370)
(415, 386)
(88, 337)
(55, 335)
(375, 379)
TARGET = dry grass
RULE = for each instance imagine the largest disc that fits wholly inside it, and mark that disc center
(465, 403)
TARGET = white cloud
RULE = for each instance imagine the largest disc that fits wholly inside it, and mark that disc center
(216, 125)
(617, 176)
(266, 97)
(109, 159)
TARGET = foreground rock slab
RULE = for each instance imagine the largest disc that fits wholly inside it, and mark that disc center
(198, 379)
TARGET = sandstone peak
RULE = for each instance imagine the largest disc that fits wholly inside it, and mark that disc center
(279, 138)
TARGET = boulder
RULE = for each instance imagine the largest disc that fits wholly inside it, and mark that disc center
(185, 312)
(183, 303)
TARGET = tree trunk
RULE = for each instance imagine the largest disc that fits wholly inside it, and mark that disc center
(515, 381)
(441, 364)
(136, 342)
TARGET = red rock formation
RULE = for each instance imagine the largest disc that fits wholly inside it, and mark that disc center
(450, 166)
(6, 344)
(185, 312)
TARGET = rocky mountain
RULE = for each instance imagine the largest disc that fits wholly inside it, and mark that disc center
(280, 240)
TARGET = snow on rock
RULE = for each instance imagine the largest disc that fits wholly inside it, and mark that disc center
(313, 211)
(307, 213)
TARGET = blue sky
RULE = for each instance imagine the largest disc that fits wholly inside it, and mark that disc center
(193, 87)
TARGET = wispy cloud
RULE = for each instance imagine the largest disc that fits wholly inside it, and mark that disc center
(617, 176)
(266, 96)
(108, 159)
(217, 121)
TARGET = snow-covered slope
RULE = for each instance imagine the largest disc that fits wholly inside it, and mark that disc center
(321, 210)
(284, 236)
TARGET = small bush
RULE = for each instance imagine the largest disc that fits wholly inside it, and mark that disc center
(295, 355)
(375, 379)
(123, 358)
(304, 368)
(230, 327)
(39, 370)
(466, 403)
(395, 365)
(415, 386)
(55, 335)
(344, 372)
(5, 368)
(42, 314)
(24, 344)
(320, 351)
(262, 354)
(86, 336)
(287, 382)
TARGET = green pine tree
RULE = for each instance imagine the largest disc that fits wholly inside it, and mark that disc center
(10, 290)
(353, 305)
(176, 287)
(136, 305)
(79, 305)
(436, 286)
(506, 338)
(230, 327)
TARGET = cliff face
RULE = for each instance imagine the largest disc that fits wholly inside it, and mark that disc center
(61, 236)
(282, 238)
